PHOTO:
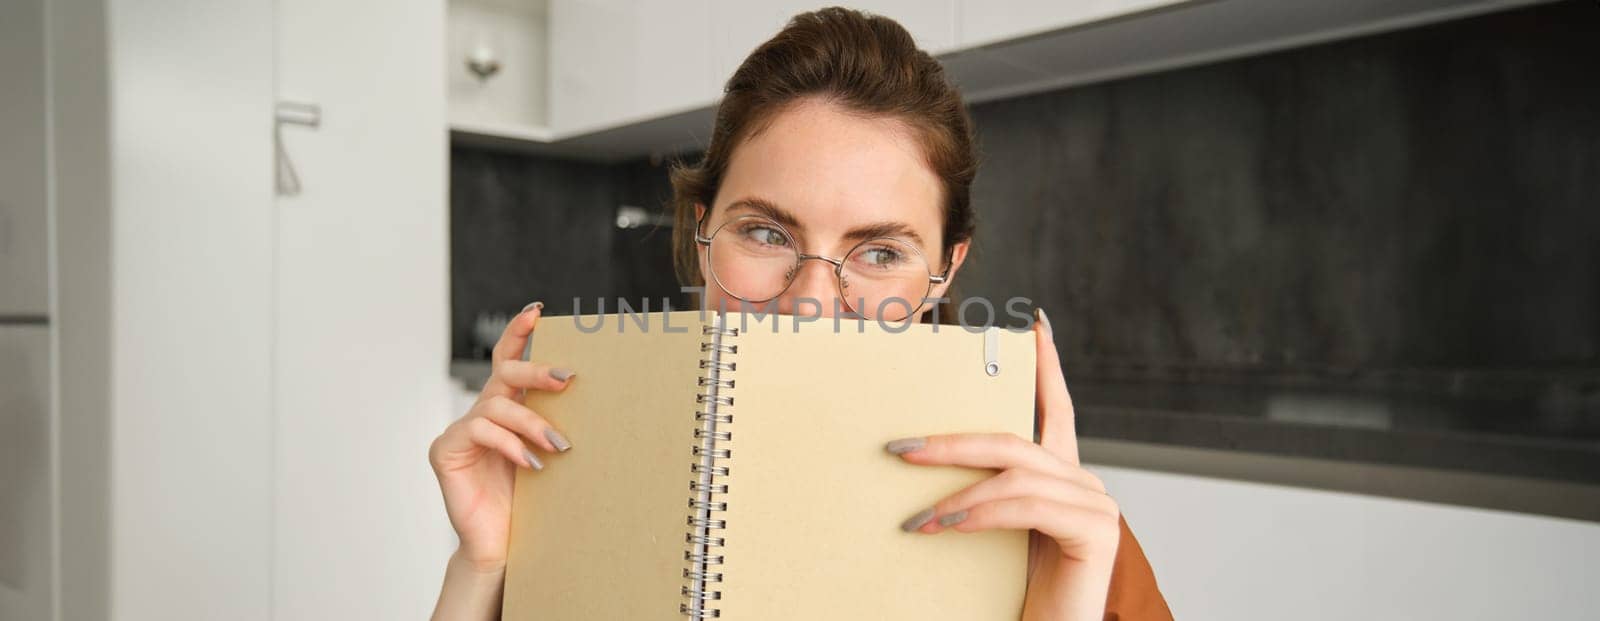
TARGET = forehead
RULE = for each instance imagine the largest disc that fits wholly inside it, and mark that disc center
(834, 169)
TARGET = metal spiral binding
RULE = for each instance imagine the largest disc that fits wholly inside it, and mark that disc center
(700, 556)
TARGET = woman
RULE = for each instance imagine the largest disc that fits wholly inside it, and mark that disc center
(837, 140)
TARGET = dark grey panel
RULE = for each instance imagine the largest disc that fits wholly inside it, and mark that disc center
(526, 227)
(1396, 233)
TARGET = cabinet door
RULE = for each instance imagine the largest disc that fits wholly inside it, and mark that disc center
(361, 302)
(515, 95)
(614, 62)
(742, 25)
(26, 566)
(982, 22)
(23, 267)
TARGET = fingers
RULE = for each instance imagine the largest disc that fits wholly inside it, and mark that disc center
(511, 373)
(487, 434)
(1053, 405)
(515, 338)
(524, 422)
(998, 451)
(510, 376)
(502, 426)
(1082, 532)
(464, 442)
(1027, 483)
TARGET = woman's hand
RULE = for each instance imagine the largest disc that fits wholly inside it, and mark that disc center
(475, 460)
(1075, 525)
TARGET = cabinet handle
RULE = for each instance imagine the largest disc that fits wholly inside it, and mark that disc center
(291, 113)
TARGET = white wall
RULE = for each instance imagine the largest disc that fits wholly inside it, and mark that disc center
(1236, 551)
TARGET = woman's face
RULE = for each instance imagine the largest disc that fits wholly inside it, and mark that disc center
(832, 179)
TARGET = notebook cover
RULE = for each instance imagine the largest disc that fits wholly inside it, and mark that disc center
(598, 534)
(814, 502)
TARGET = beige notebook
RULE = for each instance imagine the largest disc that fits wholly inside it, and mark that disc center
(732, 466)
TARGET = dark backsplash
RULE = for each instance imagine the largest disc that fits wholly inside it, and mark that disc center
(525, 228)
(1425, 198)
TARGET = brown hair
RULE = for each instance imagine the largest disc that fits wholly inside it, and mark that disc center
(865, 63)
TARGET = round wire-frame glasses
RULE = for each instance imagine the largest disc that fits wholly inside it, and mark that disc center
(911, 296)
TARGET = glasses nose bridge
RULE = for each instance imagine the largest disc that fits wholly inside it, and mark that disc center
(836, 271)
(803, 257)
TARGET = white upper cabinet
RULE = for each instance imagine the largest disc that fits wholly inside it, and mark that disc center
(512, 38)
(982, 22)
(615, 62)
(629, 77)
(742, 25)
(610, 64)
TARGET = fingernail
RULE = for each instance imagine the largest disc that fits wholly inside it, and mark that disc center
(916, 521)
(905, 445)
(557, 439)
(561, 375)
(533, 460)
(1043, 319)
(532, 306)
(953, 518)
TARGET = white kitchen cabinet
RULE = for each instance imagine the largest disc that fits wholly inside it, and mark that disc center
(982, 22)
(741, 25)
(27, 565)
(516, 35)
(248, 382)
(161, 194)
(614, 62)
(24, 270)
(629, 78)
(26, 517)
(620, 62)
(360, 312)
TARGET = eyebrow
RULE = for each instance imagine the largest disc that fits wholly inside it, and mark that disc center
(887, 228)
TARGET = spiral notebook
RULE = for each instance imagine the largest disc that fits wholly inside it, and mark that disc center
(732, 466)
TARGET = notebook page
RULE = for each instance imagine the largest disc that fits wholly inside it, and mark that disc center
(815, 502)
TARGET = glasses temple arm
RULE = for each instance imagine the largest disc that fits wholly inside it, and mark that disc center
(699, 223)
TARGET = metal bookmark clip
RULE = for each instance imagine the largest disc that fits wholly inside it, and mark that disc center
(991, 351)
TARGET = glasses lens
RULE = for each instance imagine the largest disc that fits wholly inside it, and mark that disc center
(753, 258)
(884, 279)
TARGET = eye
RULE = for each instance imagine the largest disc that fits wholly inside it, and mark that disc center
(765, 235)
(881, 257)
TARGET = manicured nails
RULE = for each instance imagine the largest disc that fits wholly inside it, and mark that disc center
(1043, 319)
(557, 440)
(905, 445)
(916, 521)
(533, 460)
(953, 518)
(561, 375)
(532, 306)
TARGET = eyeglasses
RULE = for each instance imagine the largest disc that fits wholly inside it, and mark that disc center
(754, 259)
